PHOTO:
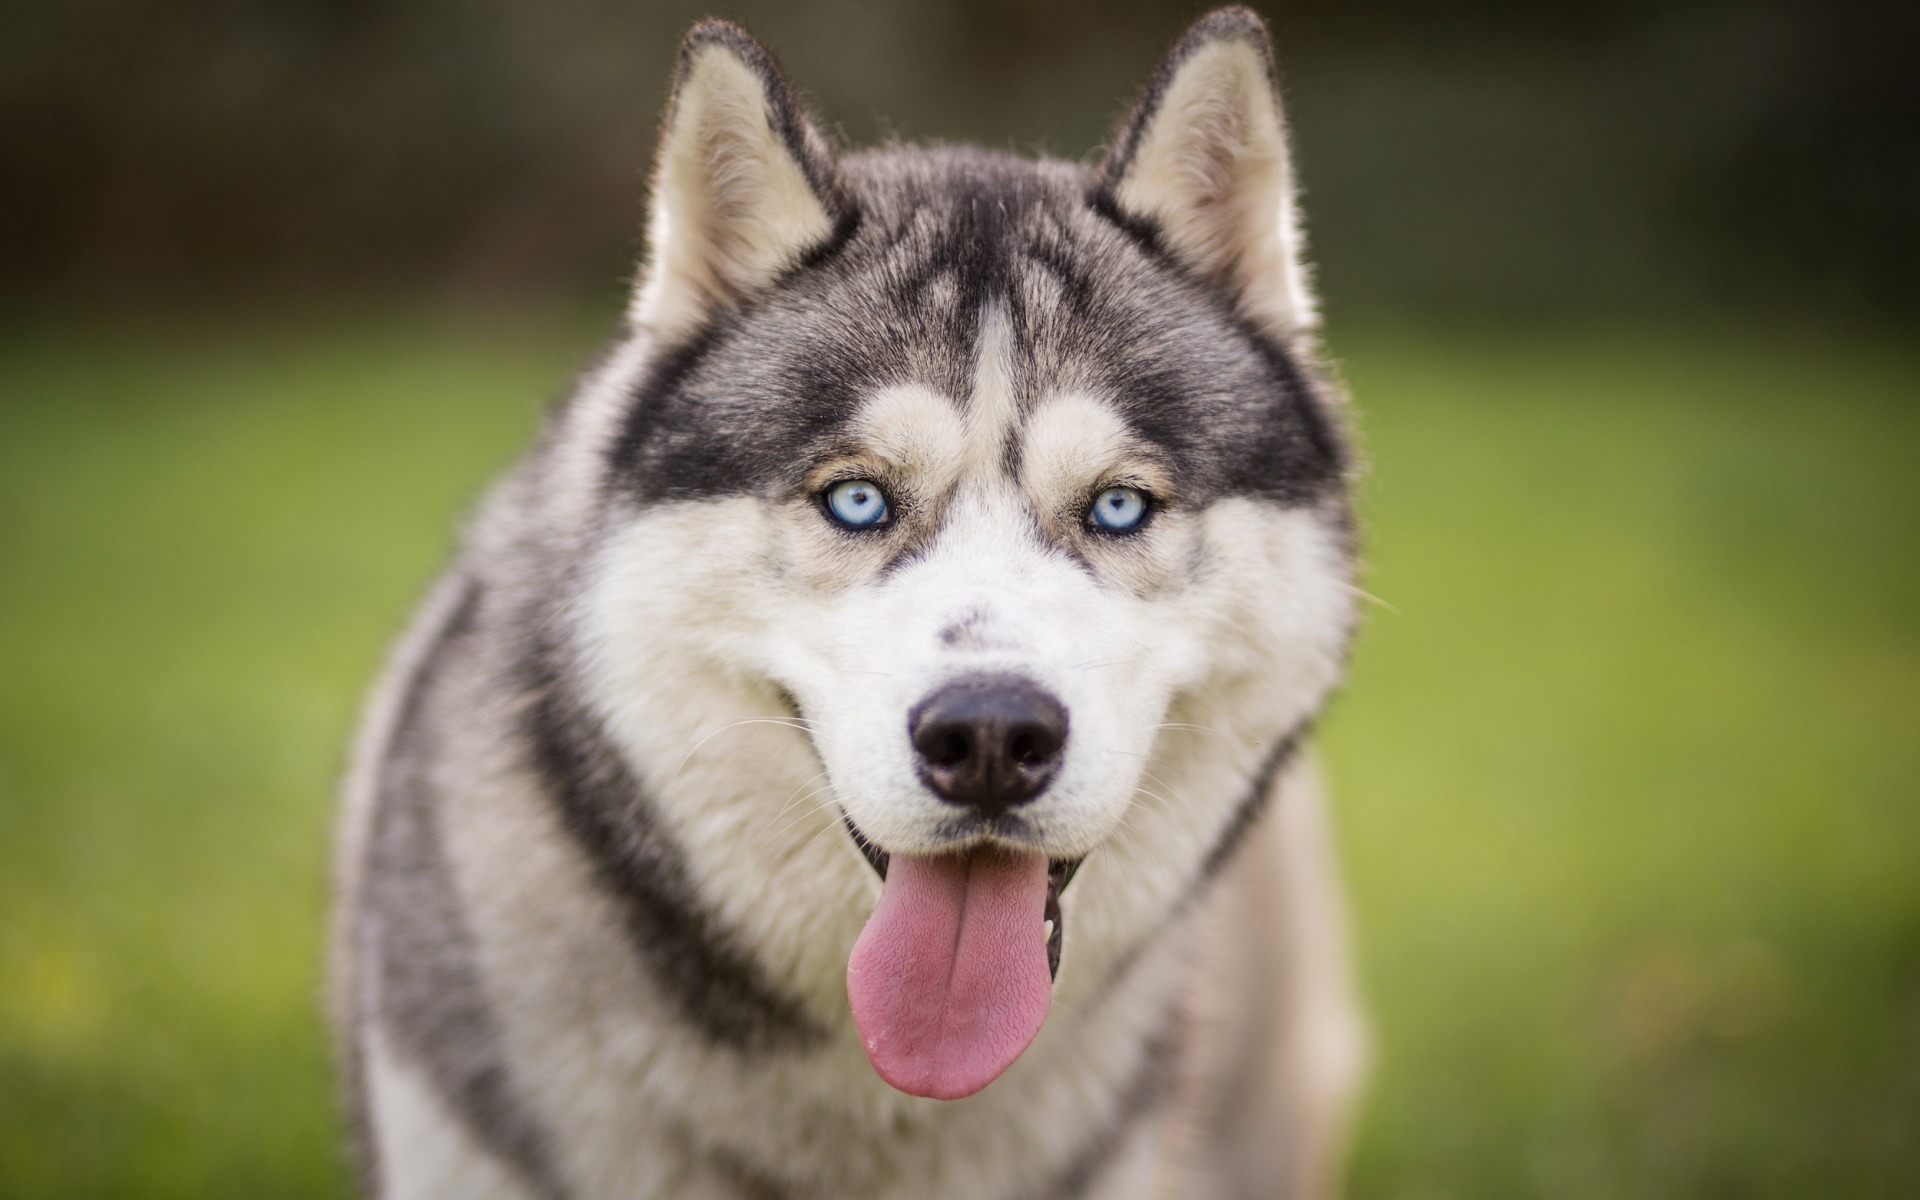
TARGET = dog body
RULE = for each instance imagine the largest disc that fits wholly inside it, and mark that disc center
(908, 632)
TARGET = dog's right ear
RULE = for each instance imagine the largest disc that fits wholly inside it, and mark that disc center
(744, 186)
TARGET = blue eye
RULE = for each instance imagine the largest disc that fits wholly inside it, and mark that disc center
(857, 503)
(1118, 509)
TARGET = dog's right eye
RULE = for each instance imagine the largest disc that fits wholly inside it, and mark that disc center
(857, 503)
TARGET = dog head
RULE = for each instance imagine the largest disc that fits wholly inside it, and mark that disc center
(1012, 481)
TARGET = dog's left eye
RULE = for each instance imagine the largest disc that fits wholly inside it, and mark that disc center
(857, 503)
(1118, 509)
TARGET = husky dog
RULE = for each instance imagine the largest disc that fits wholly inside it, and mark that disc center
(859, 751)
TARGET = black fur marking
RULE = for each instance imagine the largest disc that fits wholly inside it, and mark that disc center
(1151, 1086)
(1231, 414)
(844, 228)
(1296, 456)
(1314, 450)
(1077, 284)
(429, 993)
(1253, 802)
(718, 989)
(1144, 232)
(1258, 796)
(663, 377)
(719, 415)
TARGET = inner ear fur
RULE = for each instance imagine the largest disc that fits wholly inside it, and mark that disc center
(1202, 162)
(744, 185)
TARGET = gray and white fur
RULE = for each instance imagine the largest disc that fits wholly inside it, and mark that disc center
(598, 882)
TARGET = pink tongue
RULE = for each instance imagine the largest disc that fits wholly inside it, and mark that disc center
(949, 980)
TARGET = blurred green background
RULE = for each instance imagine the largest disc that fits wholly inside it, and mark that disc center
(1628, 774)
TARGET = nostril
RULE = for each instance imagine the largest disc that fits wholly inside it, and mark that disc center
(946, 745)
(1030, 746)
(1021, 746)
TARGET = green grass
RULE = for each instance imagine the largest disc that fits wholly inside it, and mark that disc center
(1629, 772)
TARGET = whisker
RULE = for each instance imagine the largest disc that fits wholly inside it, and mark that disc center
(1163, 783)
(1140, 791)
(801, 816)
(829, 827)
(789, 722)
(826, 827)
(1200, 728)
(1364, 594)
(791, 796)
(1125, 849)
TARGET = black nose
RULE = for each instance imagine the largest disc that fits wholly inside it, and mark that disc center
(988, 742)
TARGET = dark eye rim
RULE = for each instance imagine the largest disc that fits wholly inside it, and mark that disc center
(822, 500)
(1149, 506)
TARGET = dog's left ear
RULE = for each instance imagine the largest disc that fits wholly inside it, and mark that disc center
(1202, 164)
(744, 186)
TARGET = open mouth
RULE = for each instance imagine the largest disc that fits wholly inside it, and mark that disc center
(950, 980)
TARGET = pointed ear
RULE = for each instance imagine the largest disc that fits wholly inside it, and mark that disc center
(744, 186)
(1202, 162)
